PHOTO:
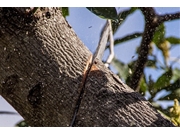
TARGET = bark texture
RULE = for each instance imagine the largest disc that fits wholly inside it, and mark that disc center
(107, 101)
(42, 66)
(47, 76)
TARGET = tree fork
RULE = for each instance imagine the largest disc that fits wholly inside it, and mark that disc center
(42, 72)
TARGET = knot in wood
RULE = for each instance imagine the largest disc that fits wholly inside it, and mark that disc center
(35, 95)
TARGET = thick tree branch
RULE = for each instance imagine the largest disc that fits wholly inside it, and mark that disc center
(39, 72)
(149, 13)
(147, 37)
(44, 68)
(152, 21)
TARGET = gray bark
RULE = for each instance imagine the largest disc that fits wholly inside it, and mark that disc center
(46, 74)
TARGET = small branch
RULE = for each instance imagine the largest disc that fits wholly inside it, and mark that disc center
(152, 20)
(168, 17)
(150, 27)
(149, 12)
(127, 38)
(6, 112)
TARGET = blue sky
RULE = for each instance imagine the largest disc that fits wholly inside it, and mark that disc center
(81, 19)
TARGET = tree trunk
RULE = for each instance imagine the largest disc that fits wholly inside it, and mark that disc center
(46, 74)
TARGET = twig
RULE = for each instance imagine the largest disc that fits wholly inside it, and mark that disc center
(7, 112)
(169, 17)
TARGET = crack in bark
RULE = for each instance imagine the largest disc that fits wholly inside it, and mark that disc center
(85, 75)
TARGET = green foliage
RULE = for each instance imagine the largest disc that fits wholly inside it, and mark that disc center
(143, 85)
(105, 12)
(176, 74)
(151, 63)
(163, 80)
(173, 40)
(161, 42)
(123, 69)
(65, 11)
(174, 94)
(159, 35)
(22, 124)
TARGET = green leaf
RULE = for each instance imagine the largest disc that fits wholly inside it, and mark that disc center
(128, 37)
(65, 11)
(22, 124)
(151, 63)
(143, 85)
(104, 12)
(173, 40)
(122, 68)
(163, 80)
(173, 86)
(159, 34)
(176, 74)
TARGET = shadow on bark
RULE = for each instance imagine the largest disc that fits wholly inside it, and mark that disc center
(109, 102)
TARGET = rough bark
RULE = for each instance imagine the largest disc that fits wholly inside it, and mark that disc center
(107, 101)
(42, 66)
(47, 76)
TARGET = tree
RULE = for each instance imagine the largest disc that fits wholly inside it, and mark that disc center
(47, 74)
